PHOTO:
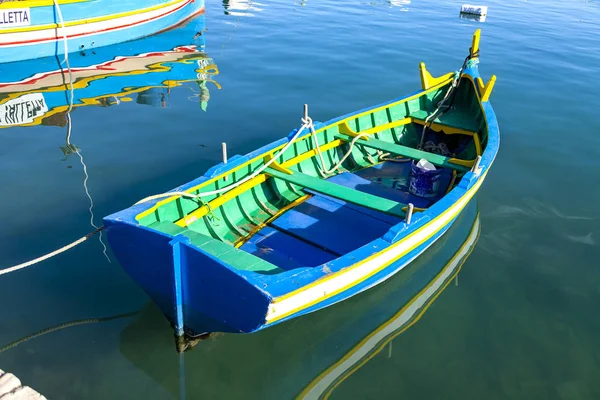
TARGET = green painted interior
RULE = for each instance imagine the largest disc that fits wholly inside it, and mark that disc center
(232, 222)
(405, 151)
(340, 192)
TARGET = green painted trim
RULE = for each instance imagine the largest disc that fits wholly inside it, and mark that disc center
(341, 192)
(435, 159)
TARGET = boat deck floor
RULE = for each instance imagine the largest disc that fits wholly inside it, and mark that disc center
(322, 228)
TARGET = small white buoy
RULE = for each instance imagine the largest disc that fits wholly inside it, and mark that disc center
(474, 10)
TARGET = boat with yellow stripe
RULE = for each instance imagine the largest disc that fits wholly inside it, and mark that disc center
(43, 28)
(321, 351)
(314, 218)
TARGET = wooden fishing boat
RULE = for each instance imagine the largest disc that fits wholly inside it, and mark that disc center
(321, 350)
(42, 28)
(314, 218)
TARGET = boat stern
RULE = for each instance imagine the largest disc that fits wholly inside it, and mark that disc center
(197, 292)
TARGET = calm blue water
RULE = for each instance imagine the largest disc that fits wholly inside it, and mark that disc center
(521, 323)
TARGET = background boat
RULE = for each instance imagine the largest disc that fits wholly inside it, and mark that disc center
(144, 71)
(30, 30)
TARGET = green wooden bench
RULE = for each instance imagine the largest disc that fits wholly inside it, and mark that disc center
(435, 159)
(237, 258)
(340, 192)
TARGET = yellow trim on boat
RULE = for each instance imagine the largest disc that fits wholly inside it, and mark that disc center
(449, 130)
(427, 80)
(219, 201)
(345, 129)
(466, 197)
(477, 142)
(487, 89)
(414, 320)
(258, 157)
(36, 3)
(475, 42)
(311, 153)
(258, 227)
(90, 20)
(275, 165)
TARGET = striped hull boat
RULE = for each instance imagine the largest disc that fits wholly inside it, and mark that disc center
(314, 218)
(35, 92)
(34, 29)
(345, 336)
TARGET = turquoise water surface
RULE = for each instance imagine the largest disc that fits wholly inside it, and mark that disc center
(520, 322)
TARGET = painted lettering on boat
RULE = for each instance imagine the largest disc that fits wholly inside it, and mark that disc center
(23, 110)
(15, 17)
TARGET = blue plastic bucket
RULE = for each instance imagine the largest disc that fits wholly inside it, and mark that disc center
(424, 183)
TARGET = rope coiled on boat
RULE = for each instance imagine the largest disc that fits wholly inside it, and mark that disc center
(323, 169)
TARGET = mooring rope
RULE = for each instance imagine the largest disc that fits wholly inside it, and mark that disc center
(63, 326)
(50, 255)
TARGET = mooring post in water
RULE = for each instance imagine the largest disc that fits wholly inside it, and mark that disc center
(178, 277)
(224, 150)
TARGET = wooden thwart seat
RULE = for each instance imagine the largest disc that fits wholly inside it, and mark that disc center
(450, 122)
(340, 192)
(435, 159)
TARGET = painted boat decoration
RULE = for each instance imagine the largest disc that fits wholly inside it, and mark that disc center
(314, 218)
(34, 29)
(34, 92)
(318, 352)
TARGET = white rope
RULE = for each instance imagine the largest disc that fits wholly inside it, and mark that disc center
(50, 255)
(336, 167)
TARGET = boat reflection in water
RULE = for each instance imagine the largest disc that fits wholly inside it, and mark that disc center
(144, 71)
(309, 357)
(46, 91)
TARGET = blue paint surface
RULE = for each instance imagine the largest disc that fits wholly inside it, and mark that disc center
(517, 325)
